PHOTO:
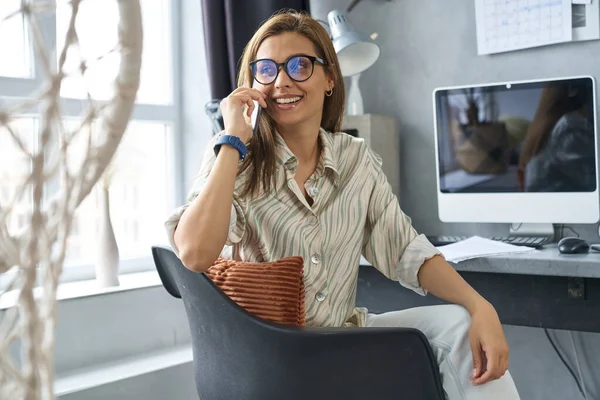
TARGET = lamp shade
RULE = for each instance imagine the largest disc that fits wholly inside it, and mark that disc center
(356, 51)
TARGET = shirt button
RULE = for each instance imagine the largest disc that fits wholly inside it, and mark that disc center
(315, 259)
(313, 191)
(320, 296)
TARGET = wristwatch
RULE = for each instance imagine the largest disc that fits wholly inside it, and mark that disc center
(234, 142)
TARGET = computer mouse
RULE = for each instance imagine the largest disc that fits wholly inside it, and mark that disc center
(573, 245)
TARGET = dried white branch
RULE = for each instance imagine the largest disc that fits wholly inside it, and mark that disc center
(39, 249)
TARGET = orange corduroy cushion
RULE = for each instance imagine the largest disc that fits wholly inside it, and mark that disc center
(273, 291)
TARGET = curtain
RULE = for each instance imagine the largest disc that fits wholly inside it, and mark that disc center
(228, 26)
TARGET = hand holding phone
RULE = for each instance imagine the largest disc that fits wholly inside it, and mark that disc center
(236, 111)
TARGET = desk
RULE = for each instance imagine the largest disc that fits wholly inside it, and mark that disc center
(542, 289)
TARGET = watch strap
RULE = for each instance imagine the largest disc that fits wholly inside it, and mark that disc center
(232, 141)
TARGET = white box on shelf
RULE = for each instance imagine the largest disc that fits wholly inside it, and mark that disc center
(380, 133)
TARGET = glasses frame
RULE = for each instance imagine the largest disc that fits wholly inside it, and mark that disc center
(285, 65)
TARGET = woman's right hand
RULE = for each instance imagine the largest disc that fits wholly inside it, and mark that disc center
(232, 108)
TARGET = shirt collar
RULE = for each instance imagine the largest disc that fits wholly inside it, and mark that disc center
(283, 154)
(328, 158)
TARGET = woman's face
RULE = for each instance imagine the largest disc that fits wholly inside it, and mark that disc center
(290, 102)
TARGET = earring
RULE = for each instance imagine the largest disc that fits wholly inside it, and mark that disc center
(329, 93)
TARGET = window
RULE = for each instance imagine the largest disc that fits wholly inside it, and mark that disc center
(16, 57)
(138, 201)
(156, 77)
(142, 182)
(14, 167)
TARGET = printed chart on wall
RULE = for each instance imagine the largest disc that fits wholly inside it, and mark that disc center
(507, 25)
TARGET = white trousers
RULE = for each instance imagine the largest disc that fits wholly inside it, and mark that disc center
(447, 328)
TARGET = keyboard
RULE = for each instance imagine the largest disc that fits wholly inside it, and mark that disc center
(529, 241)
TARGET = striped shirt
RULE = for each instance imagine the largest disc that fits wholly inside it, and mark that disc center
(354, 212)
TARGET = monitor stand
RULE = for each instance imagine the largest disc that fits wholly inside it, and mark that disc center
(535, 230)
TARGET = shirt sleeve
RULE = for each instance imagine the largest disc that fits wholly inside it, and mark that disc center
(391, 244)
(237, 219)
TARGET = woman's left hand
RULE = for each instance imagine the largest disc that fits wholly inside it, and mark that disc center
(488, 344)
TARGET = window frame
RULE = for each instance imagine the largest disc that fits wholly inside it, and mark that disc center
(12, 89)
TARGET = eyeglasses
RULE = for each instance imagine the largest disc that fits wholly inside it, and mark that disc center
(299, 68)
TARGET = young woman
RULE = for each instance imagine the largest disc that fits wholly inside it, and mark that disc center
(300, 187)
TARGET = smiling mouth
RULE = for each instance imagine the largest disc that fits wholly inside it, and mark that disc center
(288, 100)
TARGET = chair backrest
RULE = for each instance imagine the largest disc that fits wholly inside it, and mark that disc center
(166, 263)
(228, 343)
(237, 355)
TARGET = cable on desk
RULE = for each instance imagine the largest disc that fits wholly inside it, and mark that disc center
(512, 226)
(565, 363)
(584, 392)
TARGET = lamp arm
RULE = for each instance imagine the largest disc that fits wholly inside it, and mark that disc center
(351, 6)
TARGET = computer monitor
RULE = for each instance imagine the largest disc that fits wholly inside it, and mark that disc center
(518, 152)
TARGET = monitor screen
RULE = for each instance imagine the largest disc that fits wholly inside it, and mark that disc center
(517, 152)
(517, 137)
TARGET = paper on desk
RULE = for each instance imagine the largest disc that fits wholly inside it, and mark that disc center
(476, 247)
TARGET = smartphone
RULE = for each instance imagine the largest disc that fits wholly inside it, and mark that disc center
(254, 117)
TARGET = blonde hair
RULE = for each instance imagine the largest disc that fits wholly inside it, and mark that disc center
(261, 148)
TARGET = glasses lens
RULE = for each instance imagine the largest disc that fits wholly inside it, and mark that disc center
(265, 71)
(299, 68)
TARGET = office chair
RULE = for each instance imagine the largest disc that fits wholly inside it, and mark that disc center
(239, 356)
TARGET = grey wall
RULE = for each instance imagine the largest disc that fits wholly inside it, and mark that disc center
(429, 44)
(97, 330)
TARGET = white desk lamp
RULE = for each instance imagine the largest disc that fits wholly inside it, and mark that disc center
(356, 52)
